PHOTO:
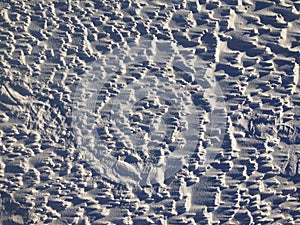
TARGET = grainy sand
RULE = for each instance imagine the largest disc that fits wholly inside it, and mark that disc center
(149, 112)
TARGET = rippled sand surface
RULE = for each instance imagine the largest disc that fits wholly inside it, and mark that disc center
(149, 112)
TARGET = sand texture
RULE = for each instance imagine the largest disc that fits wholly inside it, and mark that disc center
(149, 112)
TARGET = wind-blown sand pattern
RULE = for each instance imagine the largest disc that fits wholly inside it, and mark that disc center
(149, 112)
